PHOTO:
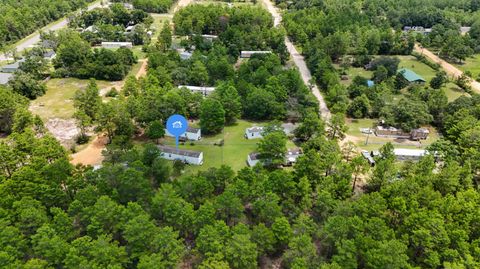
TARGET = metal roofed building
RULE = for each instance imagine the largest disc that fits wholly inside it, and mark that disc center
(292, 155)
(409, 154)
(114, 45)
(12, 68)
(186, 156)
(254, 132)
(411, 76)
(249, 53)
(205, 91)
(193, 134)
(5, 77)
(253, 159)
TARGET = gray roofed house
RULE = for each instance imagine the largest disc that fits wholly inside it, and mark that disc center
(292, 155)
(187, 156)
(49, 55)
(5, 77)
(253, 159)
(254, 132)
(12, 68)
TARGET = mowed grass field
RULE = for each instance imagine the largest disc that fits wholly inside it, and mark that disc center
(233, 153)
(374, 143)
(471, 64)
(57, 102)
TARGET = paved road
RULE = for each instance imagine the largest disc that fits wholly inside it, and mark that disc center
(449, 68)
(299, 61)
(32, 40)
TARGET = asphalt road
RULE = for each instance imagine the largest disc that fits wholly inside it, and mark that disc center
(32, 40)
(299, 61)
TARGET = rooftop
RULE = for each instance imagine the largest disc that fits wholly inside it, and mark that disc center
(410, 76)
(255, 129)
(5, 77)
(294, 151)
(182, 152)
(410, 152)
(254, 156)
(192, 130)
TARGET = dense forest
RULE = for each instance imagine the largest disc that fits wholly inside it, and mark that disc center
(243, 28)
(21, 18)
(153, 6)
(109, 24)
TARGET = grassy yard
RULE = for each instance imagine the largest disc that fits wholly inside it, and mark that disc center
(233, 153)
(407, 61)
(58, 100)
(471, 64)
(374, 143)
(158, 21)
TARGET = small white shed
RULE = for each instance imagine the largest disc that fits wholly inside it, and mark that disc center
(252, 159)
(254, 132)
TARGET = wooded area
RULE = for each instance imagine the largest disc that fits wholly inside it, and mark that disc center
(19, 18)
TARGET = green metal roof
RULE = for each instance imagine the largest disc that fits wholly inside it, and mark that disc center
(410, 76)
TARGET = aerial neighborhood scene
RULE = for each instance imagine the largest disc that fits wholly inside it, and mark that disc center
(217, 134)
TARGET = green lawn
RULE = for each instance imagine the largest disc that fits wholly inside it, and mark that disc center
(233, 153)
(374, 143)
(58, 100)
(407, 61)
(471, 64)
(158, 21)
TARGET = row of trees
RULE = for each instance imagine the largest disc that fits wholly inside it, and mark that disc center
(130, 214)
(151, 6)
(21, 18)
(242, 28)
(109, 24)
(76, 58)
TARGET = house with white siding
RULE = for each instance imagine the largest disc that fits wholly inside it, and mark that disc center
(254, 132)
(116, 45)
(409, 154)
(292, 155)
(193, 134)
(205, 91)
(186, 156)
(249, 53)
(253, 159)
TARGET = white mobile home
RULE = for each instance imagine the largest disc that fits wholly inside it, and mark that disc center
(193, 134)
(116, 45)
(186, 156)
(205, 91)
(249, 53)
(409, 154)
(254, 132)
(12, 68)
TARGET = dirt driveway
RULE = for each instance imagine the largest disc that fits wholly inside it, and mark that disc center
(449, 68)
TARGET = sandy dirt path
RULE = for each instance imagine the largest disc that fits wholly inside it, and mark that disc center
(450, 69)
(92, 154)
(299, 61)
